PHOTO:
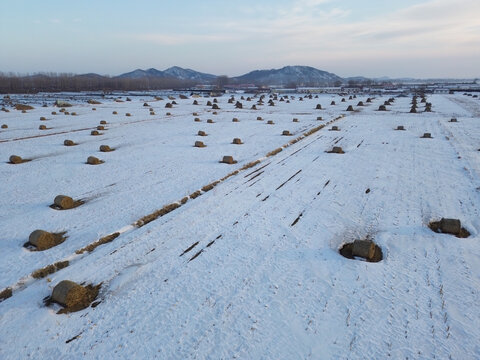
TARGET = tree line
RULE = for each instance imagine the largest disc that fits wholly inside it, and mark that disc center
(52, 82)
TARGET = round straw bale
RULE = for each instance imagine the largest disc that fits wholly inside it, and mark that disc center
(62, 110)
(286, 133)
(227, 159)
(450, 226)
(66, 113)
(337, 150)
(114, 112)
(360, 103)
(43, 118)
(259, 118)
(363, 248)
(209, 103)
(68, 143)
(73, 114)
(343, 99)
(254, 107)
(94, 109)
(369, 100)
(42, 240)
(270, 122)
(4, 126)
(350, 108)
(63, 201)
(15, 159)
(128, 114)
(195, 102)
(92, 160)
(146, 104)
(54, 113)
(382, 108)
(210, 121)
(42, 127)
(174, 103)
(318, 107)
(295, 120)
(100, 127)
(201, 133)
(215, 107)
(237, 141)
(215, 100)
(334, 128)
(103, 122)
(199, 144)
(350, 98)
(197, 119)
(400, 127)
(332, 103)
(427, 136)
(168, 105)
(195, 114)
(319, 118)
(105, 148)
(234, 120)
(168, 114)
(94, 133)
(69, 294)
(152, 113)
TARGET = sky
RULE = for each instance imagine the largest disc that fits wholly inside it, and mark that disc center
(372, 38)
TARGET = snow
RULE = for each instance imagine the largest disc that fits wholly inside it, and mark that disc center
(264, 288)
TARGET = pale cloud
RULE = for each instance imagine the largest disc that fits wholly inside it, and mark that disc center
(179, 39)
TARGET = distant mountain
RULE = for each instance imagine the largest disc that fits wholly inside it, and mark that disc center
(174, 72)
(299, 75)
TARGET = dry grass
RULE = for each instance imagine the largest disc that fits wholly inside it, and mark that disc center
(49, 269)
(158, 213)
(104, 240)
(23, 107)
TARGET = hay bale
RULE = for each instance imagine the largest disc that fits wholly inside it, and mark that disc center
(286, 133)
(337, 150)
(369, 100)
(334, 128)
(386, 103)
(69, 294)
(270, 122)
(197, 119)
(43, 118)
(215, 107)
(114, 113)
(195, 102)
(215, 113)
(68, 143)
(15, 159)
(237, 141)
(199, 144)
(360, 103)
(94, 109)
(318, 107)
(210, 121)
(450, 226)
(195, 114)
(201, 133)
(62, 110)
(93, 102)
(332, 103)
(426, 136)
(44, 240)
(350, 108)
(319, 118)
(350, 98)
(168, 105)
(66, 113)
(73, 114)
(94, 133)
(343, 99)
(103, 122)
(152, 113)
(23, 107)
(100, 127)
(364, 249)
(168, 114)
(92, 160)
(235, 120)
(128, 114)
(42, 127)
(295, 120)
(254, 107)
(146, 104)
(128, 99)
(227, 159)
(64, 202)
(54, 113)
(400, 127)
(382, 108)
(453, 119)
(259, 118)
(413, 110)
(4, 126)
(209, 103)
(105, 148)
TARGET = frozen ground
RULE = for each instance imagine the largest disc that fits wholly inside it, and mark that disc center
(267, 281)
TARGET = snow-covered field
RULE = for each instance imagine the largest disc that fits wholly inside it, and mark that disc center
(264, 279)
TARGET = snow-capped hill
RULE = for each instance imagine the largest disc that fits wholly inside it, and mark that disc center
(300, 75)
(175, 72)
